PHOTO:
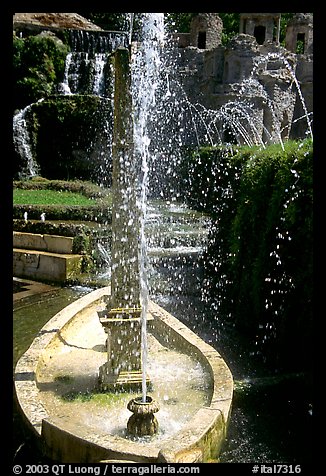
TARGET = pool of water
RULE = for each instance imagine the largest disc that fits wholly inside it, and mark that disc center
(29, 316)
(32, 312)
(68, 386)
(269, 423)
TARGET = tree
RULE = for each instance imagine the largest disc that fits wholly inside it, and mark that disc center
(231, 22)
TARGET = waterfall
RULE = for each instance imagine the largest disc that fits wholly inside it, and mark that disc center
(22, 142)
(85, 66)
(85, 74)
(94, 41)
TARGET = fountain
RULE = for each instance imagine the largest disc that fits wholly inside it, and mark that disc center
(123, 317)
(66, 357)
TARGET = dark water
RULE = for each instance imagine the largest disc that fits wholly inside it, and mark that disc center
(271, 419)
(29, 316)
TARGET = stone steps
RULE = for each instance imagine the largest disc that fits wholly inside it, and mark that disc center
(45, 257)
(43, 242)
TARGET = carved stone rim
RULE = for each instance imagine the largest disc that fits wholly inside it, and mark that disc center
(137, 406)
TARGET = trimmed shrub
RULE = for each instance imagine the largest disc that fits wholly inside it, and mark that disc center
(259, 257)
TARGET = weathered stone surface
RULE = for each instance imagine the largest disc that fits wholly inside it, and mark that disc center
(211, 72)
(66, 439)
(125, 211)
(300, 26)
(263, 26)
(59, 20)
(143, 421)
(50, 243)
(41, 265)
(206, 30)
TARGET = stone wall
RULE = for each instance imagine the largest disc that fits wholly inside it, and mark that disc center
(278, 82)
(206, 30)
(300, 29)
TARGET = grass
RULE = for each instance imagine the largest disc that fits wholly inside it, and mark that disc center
(96, 397)
(61, 200)
(50, 197)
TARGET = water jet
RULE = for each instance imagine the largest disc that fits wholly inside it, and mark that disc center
(64, 360)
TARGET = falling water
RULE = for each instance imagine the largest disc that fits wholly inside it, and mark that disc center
(145, 68)
(278, 61)
(84, 73)
(194, 123)
(303, 103)
(85, 66)
(22, 141)
(131, 24)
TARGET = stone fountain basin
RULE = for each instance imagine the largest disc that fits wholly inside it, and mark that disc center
(71, 344)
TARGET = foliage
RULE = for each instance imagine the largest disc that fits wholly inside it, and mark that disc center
(38, 65)
(285, 17)
(113, 21)
(68, 137)
(85, 188)
(231, 22)
(100, 213)
(178, 22)
(259, 258)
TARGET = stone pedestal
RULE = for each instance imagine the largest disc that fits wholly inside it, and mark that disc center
(143, 421)
(125, 248)
(122, 371)
(122, 321)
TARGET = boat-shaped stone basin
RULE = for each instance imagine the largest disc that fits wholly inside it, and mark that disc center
(56, 384)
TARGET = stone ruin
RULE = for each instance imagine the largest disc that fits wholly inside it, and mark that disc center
(213, 74)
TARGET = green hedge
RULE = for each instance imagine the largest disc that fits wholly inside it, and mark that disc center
(259, 258)
(101, 211)
(86, 188)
